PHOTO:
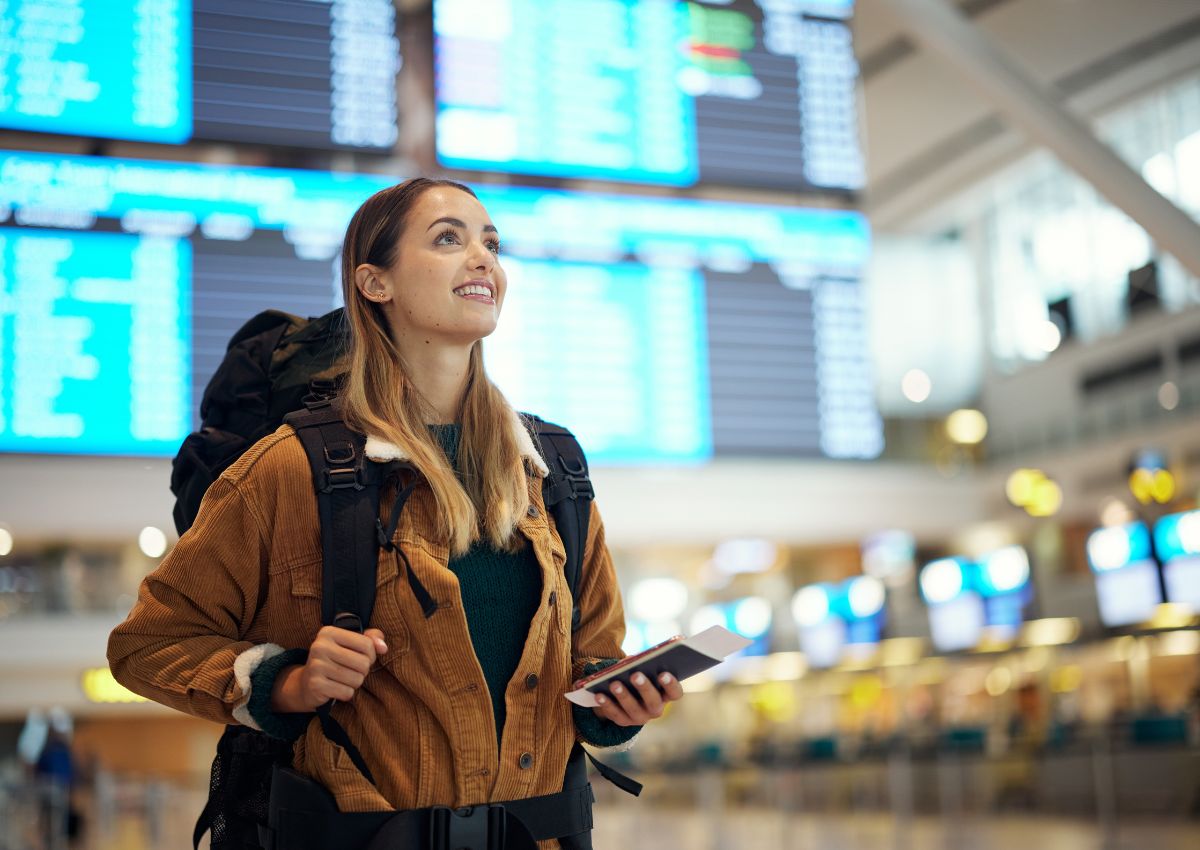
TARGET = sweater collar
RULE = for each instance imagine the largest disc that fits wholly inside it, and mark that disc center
(381, 450)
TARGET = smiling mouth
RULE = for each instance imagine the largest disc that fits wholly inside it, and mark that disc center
(477, 291)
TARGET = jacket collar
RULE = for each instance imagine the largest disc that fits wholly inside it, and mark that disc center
(380, 449)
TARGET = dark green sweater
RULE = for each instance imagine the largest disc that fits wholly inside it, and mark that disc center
(500, 594)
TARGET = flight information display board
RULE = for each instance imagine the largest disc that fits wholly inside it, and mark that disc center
(749, 92)
(90, 318)
(302, 73)
(659, 330)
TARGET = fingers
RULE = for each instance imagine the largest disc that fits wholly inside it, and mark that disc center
(652, 702)
(337, 672)
(609, 709)
(364, 643)
(376, 635)
(646, 701)
(338, 663)
(342, 657)
(319, 685)
(323, 690)
(632, 712)
(671, 689)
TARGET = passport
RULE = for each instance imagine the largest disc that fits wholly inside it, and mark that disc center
(680, 656)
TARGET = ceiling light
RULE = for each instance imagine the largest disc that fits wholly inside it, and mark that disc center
(916, 385)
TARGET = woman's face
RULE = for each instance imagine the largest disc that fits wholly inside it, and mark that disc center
(446, 284)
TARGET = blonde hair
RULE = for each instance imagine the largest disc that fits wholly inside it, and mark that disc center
(380, 400)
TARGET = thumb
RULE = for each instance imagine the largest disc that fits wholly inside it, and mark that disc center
(377, 636)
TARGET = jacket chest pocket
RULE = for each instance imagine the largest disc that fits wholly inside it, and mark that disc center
(388, 615)
(302, 617)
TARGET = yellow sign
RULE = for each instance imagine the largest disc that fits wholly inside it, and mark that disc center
(1152, 485)
(99, 686)
(1034, 491)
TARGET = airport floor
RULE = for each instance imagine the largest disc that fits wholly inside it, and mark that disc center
(751, 830)
(629, 825)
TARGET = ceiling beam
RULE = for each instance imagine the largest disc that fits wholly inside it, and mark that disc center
(944, 30)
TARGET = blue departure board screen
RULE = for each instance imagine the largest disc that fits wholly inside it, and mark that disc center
(748, 92)
(300, 73)
(94, 341)
(116, 70)
(659, 330)
(579, 353)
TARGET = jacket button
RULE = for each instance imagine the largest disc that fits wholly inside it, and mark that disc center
(526, 761)
(533, 511)
(531, 681)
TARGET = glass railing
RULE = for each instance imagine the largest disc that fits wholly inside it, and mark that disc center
(1118, 414)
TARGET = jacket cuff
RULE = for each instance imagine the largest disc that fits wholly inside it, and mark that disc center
(255, 671)
(593, 729)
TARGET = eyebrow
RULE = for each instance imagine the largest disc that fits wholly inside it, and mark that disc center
(457, 222)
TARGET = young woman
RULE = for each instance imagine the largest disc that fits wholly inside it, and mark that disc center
(456, 709)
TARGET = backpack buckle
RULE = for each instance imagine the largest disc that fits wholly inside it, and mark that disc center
(467, 828)
(341, 479)
(321, 393)
(577, 478)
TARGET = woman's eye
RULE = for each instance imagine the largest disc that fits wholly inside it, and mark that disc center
(494, 247)
(446, 237)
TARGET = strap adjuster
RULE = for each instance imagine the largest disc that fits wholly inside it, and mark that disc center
(321, 394)
(467, 828)
(341, 479)
(582, 487)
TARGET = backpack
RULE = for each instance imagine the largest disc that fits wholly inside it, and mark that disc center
(279, 367)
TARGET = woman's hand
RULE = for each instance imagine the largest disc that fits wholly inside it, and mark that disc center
(338, 662)
(645, 703)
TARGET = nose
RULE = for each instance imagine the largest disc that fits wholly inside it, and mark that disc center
(481, 257)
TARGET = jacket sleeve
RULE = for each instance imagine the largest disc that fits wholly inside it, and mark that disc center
(185, 643)
(597, 642)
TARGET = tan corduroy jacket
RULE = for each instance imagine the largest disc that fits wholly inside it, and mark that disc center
(244, 584)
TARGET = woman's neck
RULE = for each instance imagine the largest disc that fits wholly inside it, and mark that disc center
(439, 375)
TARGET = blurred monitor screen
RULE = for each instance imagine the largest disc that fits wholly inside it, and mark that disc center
(1006, 611)
(889, 556)
(823, 643)
(1128, 595)
(958, 624)
(747, 92)
(659, 330)
(1182, 577)
(281, 72)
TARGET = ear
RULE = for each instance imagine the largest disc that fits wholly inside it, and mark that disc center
(373, 284)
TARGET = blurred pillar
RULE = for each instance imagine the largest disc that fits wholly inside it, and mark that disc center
(943, 29)
(1141, 697)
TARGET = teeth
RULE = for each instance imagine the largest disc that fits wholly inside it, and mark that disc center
(474, 290)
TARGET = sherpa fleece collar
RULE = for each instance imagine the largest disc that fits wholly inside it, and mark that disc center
(380, 449)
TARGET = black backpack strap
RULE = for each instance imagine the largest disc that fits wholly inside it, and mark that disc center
(347, 487)
(348, 491)
(568, 494)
